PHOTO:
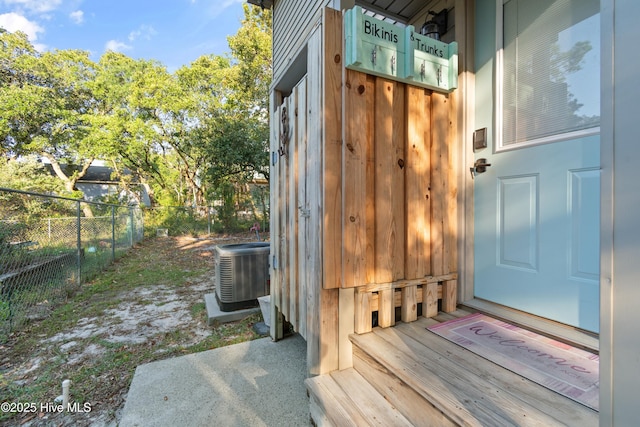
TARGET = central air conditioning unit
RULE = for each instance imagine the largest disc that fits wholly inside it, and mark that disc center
(241, 274)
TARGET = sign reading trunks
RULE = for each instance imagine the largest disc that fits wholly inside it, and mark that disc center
(399, 53)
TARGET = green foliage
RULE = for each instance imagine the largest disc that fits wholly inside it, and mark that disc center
(11, 232)
(251, 48)
(177, 220)
(237, 210)
(5, 313)
(26, 174)
(227, 212)
(183, 135)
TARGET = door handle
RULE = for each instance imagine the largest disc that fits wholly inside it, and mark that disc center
(480, 166)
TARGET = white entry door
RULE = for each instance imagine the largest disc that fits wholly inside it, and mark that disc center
(537, 205)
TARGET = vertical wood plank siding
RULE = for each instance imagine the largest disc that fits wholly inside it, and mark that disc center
(363, 195)
(331, 125)
(303, 261)
(275, 205)
(399, 199)
(399, 188)
(388, 151)
(298, 201)
(291, 231)
(354, 181)
(417, 183)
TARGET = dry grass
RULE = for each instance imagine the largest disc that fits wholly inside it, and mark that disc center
(147, 306)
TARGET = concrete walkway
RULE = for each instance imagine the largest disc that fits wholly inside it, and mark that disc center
(256, 383)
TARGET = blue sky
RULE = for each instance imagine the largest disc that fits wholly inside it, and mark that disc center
(174, 32)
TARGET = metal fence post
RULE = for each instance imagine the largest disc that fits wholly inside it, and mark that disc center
(37, 254)
(113, 233)
(79, 244)
(130, 227)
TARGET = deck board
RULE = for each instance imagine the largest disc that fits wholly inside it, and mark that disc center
(468, 399)
(347, 399)
(369, 402)
(560, 408)
(434, 382)
(417, 410)
(330, 397)
(470, 389)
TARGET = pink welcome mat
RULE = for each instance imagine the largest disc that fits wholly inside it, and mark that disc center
(567, 370)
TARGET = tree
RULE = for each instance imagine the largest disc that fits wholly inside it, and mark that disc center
(43, 105)
(122, 116)
(185, 136)
(26, 174)
(225, 110)
(251, 50)
(15, 51)
(151, 120)
(240, 138)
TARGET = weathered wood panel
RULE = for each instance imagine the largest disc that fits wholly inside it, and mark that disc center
(389, 142)
(326, 338)
(330, 62)
(417, 182)
(302, 203)
(314, 195)
(288, 165)
(398, 182)
(354, 181)
(275, 205)
(290, 246)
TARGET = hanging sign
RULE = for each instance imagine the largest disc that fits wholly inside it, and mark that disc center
(374, 46)
(430, 62)
(399, 53)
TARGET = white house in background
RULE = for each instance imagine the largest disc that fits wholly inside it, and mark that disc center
(98, 182)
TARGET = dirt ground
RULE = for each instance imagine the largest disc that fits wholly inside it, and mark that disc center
(146, 323)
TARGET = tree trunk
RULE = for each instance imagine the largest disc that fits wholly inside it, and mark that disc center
(70, 182)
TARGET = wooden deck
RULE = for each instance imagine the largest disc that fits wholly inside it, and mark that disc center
(407, 375)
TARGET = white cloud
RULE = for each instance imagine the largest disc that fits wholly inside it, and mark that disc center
(116, 46)
(144, 31)
(77, 16)
(13, 22)
(38, 6)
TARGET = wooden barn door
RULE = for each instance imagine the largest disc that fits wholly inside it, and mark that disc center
(289, 180)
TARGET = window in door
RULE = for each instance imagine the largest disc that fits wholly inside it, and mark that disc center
(549, 70)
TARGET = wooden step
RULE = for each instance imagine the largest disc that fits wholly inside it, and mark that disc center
(345, 398)
(434, 382)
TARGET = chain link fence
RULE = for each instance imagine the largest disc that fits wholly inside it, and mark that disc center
(49, 245)
(179, 221)
(200, 221)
